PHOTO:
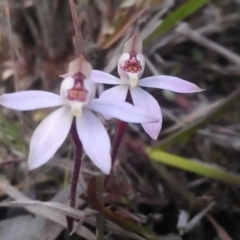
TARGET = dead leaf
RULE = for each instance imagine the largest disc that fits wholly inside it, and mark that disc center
(50, 210)
(18, 228)
(221, 232)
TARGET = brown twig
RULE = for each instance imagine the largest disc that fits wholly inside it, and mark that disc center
(9, 30)
(79, 38)
(201, 40)
(5, 163)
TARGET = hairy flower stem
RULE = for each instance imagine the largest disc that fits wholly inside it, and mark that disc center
(122, 126)
(76, 170)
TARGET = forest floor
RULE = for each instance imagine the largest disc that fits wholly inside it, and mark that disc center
(186, 185)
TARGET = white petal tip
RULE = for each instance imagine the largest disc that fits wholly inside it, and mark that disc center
(194, 89)
(106, 170)
(154, 137)
(34, 163)
(201, 89)
(106, 164)
(65, 75)
(32, 166)
(153, 134)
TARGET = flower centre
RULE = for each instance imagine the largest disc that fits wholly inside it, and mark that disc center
(78, 92)
(132, 65)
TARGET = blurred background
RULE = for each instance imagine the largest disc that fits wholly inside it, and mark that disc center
(187, 185)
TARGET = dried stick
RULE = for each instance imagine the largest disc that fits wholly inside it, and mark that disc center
(79, 38)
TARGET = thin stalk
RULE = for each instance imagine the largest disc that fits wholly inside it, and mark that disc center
(122, 126)
(76, 170)
(79, 38)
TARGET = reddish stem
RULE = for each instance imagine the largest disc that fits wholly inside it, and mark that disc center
(122, 126)
(76, 170)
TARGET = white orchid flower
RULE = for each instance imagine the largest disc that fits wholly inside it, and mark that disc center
(130, 69)
(76, 100)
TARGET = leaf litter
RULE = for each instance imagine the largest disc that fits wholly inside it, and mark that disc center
(203, 127)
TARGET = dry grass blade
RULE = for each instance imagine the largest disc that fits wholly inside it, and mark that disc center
(198, 38)
(154, 21)
(12, 46)
(9, 162)
(193, 127)
(51, 211)
(22, 225)
(192, 223)
(222, 139)
(126, 24)
(50, 230)
(221, 232)
(46, 14)
(193, 116)
(59, 218)
(79, 38)
(59, 207)
(182, 221)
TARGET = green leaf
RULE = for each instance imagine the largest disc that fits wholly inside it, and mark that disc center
(197, 167)
(176, 16)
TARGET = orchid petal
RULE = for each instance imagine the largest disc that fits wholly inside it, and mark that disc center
(115, 93)
(81, 65)
(95, 140)
(49, 136)
(118, 93)
(145, 101)
(169, 83)
(98, 76)
(30, 100)
(65, 75)
(133, 44)
(121, 110)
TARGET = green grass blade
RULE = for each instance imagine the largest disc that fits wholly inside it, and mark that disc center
(197, 167)
(176, 16)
